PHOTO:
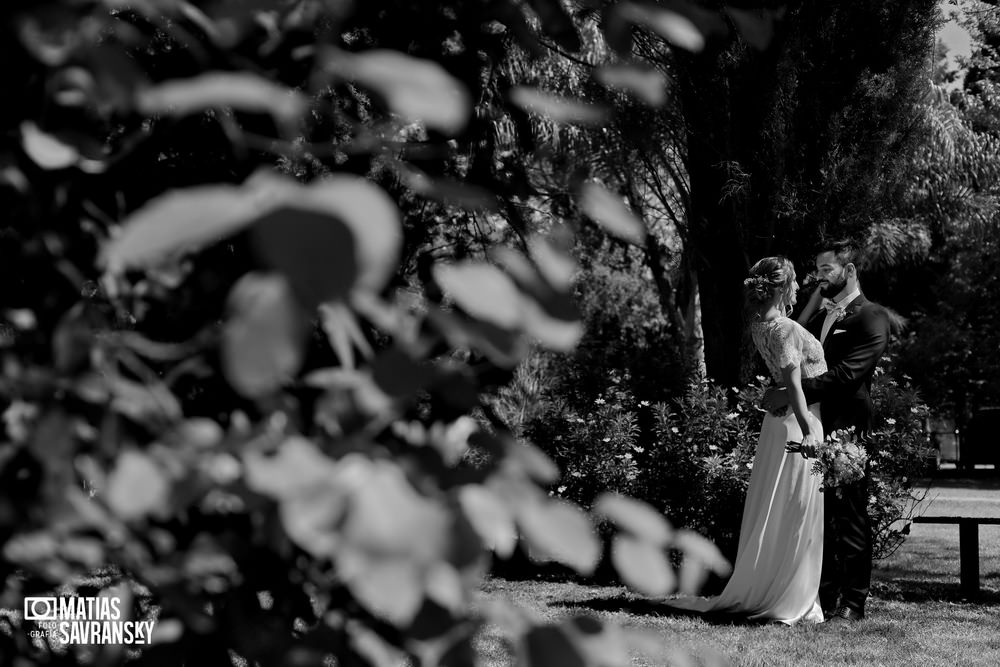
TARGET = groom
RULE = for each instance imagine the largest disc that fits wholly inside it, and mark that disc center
(855, 334)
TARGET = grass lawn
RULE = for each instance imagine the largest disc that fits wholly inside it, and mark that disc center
(916, 615)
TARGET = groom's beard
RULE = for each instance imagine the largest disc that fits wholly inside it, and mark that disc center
(832, 288)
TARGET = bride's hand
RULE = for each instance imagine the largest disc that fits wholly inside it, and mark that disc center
(810, 445)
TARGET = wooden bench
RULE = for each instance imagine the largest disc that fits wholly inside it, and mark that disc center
(968, 546)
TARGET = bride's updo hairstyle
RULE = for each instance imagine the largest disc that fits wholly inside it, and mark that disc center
(768, 277)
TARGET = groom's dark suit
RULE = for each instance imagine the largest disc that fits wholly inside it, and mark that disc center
(852, 348)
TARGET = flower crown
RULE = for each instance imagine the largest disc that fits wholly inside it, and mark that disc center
(756, 283)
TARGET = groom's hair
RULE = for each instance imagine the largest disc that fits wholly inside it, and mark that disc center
(844, 250)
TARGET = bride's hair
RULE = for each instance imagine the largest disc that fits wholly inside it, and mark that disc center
(768, 277)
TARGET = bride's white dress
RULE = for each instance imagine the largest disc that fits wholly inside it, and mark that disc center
(778, 562)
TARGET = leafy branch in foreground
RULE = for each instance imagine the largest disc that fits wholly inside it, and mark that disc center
(221, 390)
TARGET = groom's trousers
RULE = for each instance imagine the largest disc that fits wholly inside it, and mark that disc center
(847, 548)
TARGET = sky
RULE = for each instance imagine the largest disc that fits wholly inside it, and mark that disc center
(955, 37)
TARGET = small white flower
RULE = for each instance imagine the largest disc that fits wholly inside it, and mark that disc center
(674, 430)
(637, 449)
(890, 421)
(561, 489)
(606, 440)
(713, 447)
(600, 401)
(644, 404)
(732, 415)
(750, 465)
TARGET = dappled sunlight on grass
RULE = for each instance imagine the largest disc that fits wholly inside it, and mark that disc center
(916, 614)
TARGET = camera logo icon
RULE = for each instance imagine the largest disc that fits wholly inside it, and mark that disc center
(40, 609)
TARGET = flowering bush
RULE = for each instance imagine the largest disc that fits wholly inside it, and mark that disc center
(898, 450)
(691, 457)
(699, 465)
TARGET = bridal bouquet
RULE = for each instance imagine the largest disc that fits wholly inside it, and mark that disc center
(841, 460)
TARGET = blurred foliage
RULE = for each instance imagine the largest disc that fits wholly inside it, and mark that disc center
(261, 265)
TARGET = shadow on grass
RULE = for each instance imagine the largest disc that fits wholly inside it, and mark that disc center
(904, 589)
(896, 589)
(657, 608)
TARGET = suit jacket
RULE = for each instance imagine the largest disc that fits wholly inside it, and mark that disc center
(852, 348)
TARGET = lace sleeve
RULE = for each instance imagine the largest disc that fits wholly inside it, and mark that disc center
(784, 346)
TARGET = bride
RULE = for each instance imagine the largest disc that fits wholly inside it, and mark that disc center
(778, 562)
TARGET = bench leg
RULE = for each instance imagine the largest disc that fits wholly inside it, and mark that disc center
(968, 553)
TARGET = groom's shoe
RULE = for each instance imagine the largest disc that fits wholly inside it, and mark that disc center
(846, 615)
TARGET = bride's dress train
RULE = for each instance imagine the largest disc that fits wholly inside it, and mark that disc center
(779, 559)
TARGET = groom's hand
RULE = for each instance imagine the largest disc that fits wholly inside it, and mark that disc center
(775, 399)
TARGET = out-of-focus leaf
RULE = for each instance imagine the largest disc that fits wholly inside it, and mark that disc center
(51, 33)
(391, 588)
(178, 221)
(199, 433)
(676, 28)
(369, 213)
(344, 332)
(143, 402)
(533, 461)
(700, 557)
(635, 517)
(86, 551)
(45, 150)
(548, 313)
(552, 332)
(483, 291)
(701, 549)
(186, 220)
(558, 266)
(646, 83)
(548, 645)
(414, 88)
(490, 518)
(610, 212)
(294, 467)
(314, 251)
(137, 487)
(240, 90)
(371, 648)
(262, 343)
(642, 565)
(603, 643)
(562, 532)
(557, 23)
(504, 347)
(387, 517)
(310, 518)
(444, 586)
(559, 109)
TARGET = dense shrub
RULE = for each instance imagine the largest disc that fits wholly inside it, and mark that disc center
(691, 457)
(899, 450)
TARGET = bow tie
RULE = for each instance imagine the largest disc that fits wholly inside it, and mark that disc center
(831, 306)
